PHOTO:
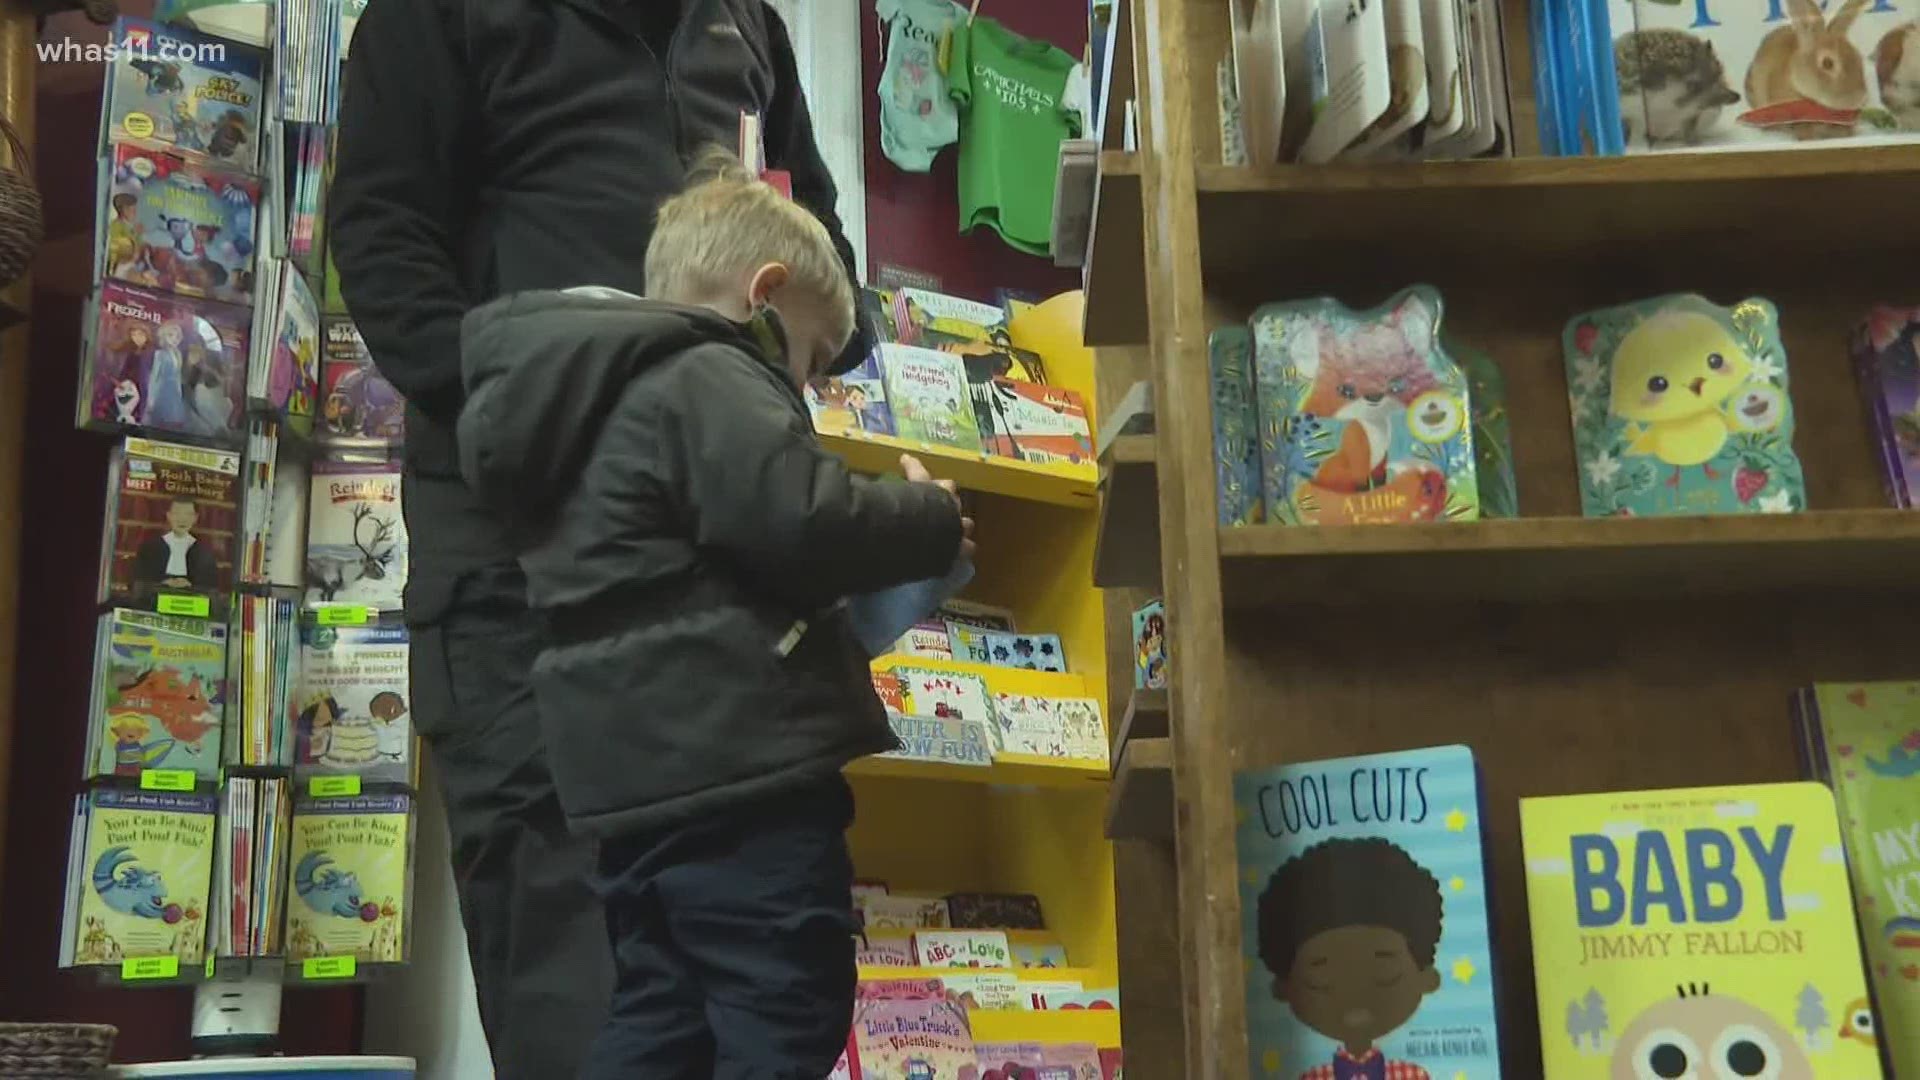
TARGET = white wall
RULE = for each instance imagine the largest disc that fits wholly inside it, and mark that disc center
(826, 43)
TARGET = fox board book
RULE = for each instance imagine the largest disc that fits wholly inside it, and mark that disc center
(1694, 932)
(1864, 742)
(159, 692)
(352, 878)
(1363, 897)
(175, 224)
(139, 864)
(189, 91)
(172, 525)
(351, 716)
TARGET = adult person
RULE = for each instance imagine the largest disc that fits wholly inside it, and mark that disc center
(488, 147)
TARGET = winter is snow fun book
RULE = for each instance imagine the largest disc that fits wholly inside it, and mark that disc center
(140, 865)
(352, 878)
(159, 693)
(1694, 932)
(1363, 897)
(1682, 407)
(190, 91)
(174, 224)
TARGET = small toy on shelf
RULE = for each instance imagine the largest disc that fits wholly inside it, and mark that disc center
(1681, 407)
(1886, 357)
(1150, 646)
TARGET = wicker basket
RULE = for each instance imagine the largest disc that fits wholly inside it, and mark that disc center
(21, 225)
(65, 1051)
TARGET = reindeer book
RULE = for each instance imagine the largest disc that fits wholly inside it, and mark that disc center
(351, 711)
(1681, 407)
(1695, 932)
(352, 884)
(1364, 419)
(159, 691)
(139, 866)
(356, 535)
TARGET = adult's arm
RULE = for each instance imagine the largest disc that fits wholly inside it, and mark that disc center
(394, 204)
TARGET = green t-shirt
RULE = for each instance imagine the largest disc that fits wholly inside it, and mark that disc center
(1012, 122)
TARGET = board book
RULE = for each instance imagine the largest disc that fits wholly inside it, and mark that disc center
(1886, 358)
(358, 406)
(164, 365)
(159, 695)
(907, 1038)
(172, 522)
(351, 713)
(139, 867)
(188, 91)
(286, 380)
(851, 404)
(352, 878)
(1709, 929)
(356, 535)
(929, 396)
(175, 224)
(1036, 423)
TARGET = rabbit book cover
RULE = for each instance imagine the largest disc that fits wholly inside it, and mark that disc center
(1681, 407)
(1694, 932)
(1886, 356)
(1363, 901)
(147, 861)
(1864, 744)
(1364, 419)
(1710, 74)
(350, 861)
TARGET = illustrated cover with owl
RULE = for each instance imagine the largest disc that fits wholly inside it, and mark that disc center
(352, 878)
(1746, 74)
(139, 865)
(1863, 740)
(1236, 427)
(1694, 932)
(1682, 407)
(1364, 418)
(1363, 899)
(1886, 357)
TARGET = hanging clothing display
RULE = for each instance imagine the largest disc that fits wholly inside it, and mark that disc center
(917, 115)
(1014, 116)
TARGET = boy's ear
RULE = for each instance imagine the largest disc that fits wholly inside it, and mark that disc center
(765, 281)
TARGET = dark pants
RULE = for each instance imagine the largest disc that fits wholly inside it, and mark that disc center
(733, 942)
(535, 931)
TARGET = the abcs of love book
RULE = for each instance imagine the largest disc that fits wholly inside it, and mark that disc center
(352, 878)
(1695, 932)
(1363, 897)
(139, 864)
(159, 692)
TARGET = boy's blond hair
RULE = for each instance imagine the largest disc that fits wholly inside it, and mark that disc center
(726, 224)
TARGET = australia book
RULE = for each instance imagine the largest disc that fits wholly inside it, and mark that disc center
(159, 695)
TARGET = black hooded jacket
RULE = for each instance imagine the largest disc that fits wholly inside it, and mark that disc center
(690, 543)
(489, 147)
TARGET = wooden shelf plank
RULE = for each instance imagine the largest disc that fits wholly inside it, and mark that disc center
(1140, 806)
(1114, 275)
(1147, 717)
(1127, 547)
(1061, 484)
(1008, 770)
(1536, 560)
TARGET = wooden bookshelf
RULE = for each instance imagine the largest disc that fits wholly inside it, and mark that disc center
(1116, 288)
(1141, 807)
(1128, 550)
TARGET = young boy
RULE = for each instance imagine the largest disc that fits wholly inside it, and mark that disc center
(690, 544)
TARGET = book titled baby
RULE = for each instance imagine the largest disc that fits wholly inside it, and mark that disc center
(1363, 904)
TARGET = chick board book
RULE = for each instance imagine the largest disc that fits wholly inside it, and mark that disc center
(1864, 742)
(1682, 407)
(1363, 898)
(356, 535)
(189, 91)
(139, 866)
(1747, 74)
(158, 697)
(1364, 419)
(930, 397)
(1694, 932)
(175, 224)
(164, 365)
(351, 712)
(352, 878)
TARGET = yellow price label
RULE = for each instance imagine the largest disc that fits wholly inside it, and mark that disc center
(328, 967)
(333, 787)
(166, 779)
(142, 968)
(343, 615)
(197, 607)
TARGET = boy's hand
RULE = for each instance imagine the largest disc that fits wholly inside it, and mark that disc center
(917, 473)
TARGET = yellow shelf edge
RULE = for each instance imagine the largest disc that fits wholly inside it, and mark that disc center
(1011, 770)
(999, 680)
(1086, 977)
(1101, 1027)
(1061, 483)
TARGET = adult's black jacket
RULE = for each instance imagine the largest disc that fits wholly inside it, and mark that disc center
(489, 147)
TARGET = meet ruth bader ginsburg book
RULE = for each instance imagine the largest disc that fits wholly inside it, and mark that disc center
(1363, 898)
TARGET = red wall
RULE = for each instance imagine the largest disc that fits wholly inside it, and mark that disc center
(913, 219)
(62, 500)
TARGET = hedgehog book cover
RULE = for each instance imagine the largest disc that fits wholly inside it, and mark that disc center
(1747, 74)
(1694, 932)
(140, 867)
(352, 877)
(159, 692)
(931, 400)
(189, 91)
(1864, 740)
(1681, 406)
(1363, 898)
(351, 714)
(175, 224)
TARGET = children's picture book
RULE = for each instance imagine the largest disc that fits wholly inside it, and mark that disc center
(1363, 901)
(1865, 742)
(1699, 930)
(925, 317)
(352, 883)
(1886, 360)
(172, 223)
(900, 1039)
(351, 713)
(968, 624)
(356, 535)
(933, 738)
(1069, 1061)
(902, 911)
(1150, 646)
(165, 365)
(172, 522)
(851, 404)
(962, 949)
(1406, 64)
(1364, 418)
(1032, 652)
(1236, 427)
(984, 990)
(159, 694)
(1492, 432)
(929, 396)
(886, 687)
(928, 639)
(250, 21)
(1050, 727)
(884, 948)
(995, 911)
(359, 407)
(1346, 63)
(945, 694)
(186, 90)
(1009, 1061)
(1031, 953)
(1729, 75)
(1682, 407)
(140, 865)
(286, 381)
(1032, 422)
